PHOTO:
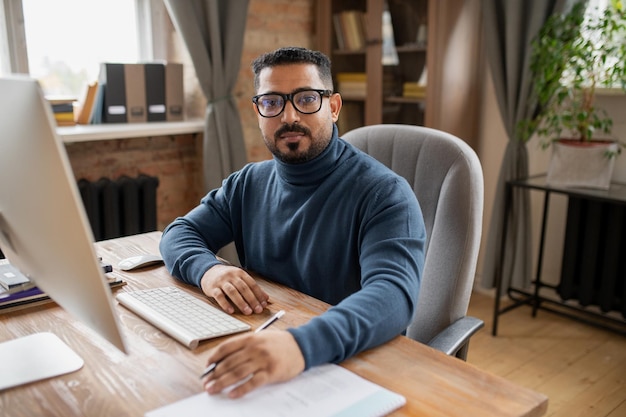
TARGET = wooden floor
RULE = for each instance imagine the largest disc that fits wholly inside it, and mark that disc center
(582, 369)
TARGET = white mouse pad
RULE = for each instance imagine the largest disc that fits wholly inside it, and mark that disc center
(34, 357)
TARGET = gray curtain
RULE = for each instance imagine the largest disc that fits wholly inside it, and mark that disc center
(213, 32)
(509, 27)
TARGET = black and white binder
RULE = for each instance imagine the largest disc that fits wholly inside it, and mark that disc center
(113, 82)
(155, 91)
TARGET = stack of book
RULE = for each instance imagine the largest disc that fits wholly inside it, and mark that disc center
(350, 29)
(63, 110)
(413, 89)
(18, 292)
(416, 89)
(352, 85)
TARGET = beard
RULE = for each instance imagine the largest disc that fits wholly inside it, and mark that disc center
(295, 154)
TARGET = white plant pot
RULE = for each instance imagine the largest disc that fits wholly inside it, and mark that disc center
(581, 165)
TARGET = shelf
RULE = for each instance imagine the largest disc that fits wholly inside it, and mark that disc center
(405, 100)
(349, 52)
(113, 131)
(452, 43)
(410, 48)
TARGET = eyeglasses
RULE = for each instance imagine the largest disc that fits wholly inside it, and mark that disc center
(305, 101)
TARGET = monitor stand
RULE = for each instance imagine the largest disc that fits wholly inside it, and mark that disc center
(35, 357)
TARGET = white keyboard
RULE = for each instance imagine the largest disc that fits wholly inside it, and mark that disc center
(181, 315)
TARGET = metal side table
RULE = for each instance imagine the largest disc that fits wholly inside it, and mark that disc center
(596, 203)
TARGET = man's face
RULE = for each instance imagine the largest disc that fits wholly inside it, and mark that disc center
(292, 136)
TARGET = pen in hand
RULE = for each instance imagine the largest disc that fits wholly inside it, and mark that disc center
(265, 325)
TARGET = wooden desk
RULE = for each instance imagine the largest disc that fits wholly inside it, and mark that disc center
(159, 370)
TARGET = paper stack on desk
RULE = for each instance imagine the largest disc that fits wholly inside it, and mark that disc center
(325, 390)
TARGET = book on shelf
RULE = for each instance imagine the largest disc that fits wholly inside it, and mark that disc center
(413, 89)
(416, 89)
(351, 76)
(341, 43)
(325, 390)
(86, 106)
(350, 29)
(352, 85)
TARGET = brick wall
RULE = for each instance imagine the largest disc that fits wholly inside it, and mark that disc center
(177, 160)
(270, 25)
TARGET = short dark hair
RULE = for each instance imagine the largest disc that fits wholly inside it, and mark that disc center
(294, 55)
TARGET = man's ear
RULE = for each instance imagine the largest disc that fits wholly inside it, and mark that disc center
(335, 105)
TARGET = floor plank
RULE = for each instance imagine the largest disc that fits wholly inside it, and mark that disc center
(581, 368)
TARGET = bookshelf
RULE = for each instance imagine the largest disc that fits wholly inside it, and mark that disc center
(437, 79)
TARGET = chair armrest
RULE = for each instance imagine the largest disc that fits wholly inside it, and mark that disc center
(451, 339)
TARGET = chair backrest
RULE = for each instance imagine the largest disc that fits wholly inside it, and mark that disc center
(447, 179)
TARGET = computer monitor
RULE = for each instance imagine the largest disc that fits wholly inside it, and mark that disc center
(44, 230)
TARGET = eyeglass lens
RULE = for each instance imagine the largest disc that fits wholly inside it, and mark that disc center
(306, 102)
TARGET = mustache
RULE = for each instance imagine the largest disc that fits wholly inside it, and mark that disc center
(286, 128)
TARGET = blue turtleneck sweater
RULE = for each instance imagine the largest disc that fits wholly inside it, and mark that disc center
(342, 228)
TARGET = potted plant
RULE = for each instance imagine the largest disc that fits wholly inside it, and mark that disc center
(572, 56)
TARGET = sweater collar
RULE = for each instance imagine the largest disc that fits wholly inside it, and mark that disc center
(316, 169)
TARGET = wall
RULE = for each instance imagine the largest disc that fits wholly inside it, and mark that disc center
(271, 24)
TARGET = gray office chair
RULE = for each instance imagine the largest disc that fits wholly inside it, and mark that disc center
(447, 179)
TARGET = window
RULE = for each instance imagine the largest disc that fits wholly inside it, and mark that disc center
(64, 52)
(595, 10)
(63, 42)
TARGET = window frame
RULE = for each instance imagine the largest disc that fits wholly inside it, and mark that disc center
(13, 48)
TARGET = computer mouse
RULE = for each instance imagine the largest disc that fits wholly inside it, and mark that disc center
(139, 261)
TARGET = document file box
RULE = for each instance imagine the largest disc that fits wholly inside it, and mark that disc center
(112, 78)
(135, 93)
(174, 97)
(155, 91)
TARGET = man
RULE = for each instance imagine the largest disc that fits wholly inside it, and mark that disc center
(321, 217)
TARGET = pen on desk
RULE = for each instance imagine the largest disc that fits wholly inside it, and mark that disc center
(265, 325)
(271, 321)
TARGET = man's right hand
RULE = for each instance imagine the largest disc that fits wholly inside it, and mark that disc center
(232, 287)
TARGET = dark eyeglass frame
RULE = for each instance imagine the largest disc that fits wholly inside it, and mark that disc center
(289, 97)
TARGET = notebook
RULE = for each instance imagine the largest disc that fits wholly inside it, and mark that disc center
(322, 391)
